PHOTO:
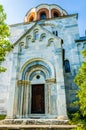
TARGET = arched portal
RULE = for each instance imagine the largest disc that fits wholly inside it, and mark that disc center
(33, 87)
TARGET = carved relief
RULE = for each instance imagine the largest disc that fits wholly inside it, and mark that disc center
(28, 39)
(42, 36)
(50, 41)
(23, 82)
(51, 80)
(21, 46)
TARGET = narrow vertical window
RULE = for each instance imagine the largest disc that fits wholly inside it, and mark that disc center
(63, 54)
(36, 35)
(56, 33)
(67, 66)
(84, 45)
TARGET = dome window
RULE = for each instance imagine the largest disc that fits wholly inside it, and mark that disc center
(31, 19)
(43, 15)
(55, 14)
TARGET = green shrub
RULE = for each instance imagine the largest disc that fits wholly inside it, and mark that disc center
(2, 117)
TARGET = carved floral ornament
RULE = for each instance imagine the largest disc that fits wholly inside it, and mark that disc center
(36, 36)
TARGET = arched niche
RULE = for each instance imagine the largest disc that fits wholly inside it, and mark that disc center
(42, 36)
(35, 34)
(50, 41)
(28, 40)
(21, 47)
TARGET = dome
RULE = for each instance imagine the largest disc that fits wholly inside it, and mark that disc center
(44, 11)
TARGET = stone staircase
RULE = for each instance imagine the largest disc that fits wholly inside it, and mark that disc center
(35, 124)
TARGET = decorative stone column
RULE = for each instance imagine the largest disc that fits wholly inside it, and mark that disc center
(49, 84)
(49, 12)
(27, 98)
(23, 112)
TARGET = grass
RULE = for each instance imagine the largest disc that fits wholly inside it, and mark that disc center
(2, 117)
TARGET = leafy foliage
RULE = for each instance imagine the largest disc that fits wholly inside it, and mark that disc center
(2, 117)
(80, 116)
(5, 45)
(80, 80)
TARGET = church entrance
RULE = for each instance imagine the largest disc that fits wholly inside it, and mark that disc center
(38, 100)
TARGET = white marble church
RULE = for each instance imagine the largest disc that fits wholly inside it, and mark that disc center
(42, 65)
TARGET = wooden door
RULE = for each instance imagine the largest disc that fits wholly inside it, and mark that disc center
(37, 103)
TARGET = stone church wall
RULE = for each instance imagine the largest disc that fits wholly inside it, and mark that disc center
(67, 29)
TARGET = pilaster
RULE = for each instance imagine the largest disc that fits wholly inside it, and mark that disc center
(13, 84)
(61, 97)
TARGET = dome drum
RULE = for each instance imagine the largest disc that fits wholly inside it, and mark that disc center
(44, 11)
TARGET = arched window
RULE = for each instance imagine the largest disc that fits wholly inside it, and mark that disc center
(50, 41)
(84, 45)
(55, 14)
(43, 15)
(28, 40)
(43, 36)
(55, 32)
(67, 66)
(31, 19)
(36, 35)
(79, 46)
(21, 47)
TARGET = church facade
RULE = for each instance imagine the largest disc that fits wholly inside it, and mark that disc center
(42, 65)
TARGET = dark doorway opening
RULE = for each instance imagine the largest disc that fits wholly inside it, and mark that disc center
(37, 101)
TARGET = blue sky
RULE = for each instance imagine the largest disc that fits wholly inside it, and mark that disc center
(16, 10)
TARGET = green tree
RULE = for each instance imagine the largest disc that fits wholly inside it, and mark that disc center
(80, 80)
(5, 45)
(80, 116)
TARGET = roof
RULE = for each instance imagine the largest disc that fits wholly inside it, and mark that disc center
(38, 26)
(18, 30)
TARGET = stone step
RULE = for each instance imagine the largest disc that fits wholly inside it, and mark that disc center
(37, 127)
(35, 122)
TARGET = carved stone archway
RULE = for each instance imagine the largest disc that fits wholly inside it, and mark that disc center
(35, 73)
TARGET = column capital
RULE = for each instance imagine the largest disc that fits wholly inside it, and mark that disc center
(51, 80)
(23, 82)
